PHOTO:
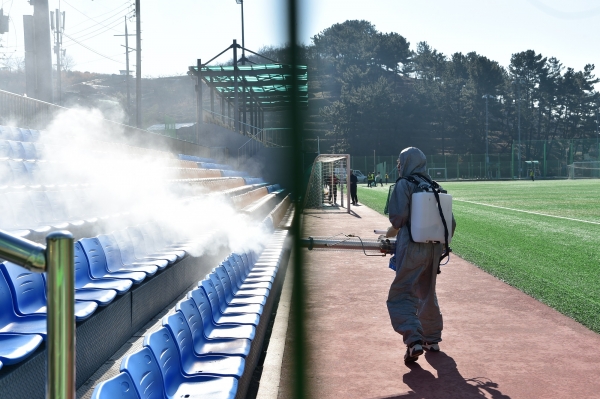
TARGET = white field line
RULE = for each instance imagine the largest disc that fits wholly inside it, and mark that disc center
(530, 212)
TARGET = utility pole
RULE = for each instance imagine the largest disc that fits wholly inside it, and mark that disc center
(127, 51)
(138, 66)
(58, 29)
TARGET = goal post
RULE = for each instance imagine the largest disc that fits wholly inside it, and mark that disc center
(438, 173)
(584, 170)
(329, 182)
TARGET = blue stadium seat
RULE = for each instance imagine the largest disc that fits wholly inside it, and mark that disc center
(246, 268)
(127, 252)
(83, 280)
(170, 244)
(199, 295)
(154, 243)
(218, 340)
(235, 330)
(239, 289)
(10, 133)
(29, 150)
(5, 149)
(164, 344)
(34, 172)
(222, 284)
(101, 297)
(17, 347)
(10, 321)
(30, 135)
(114, 260)
(29, 293)
(250, 280)
(230, 297)
(17, 149)
(234, 173)
(141, 251)
(21, 176)
(119, 387)
(253, 180)
(99, 267)
(273, 187)
(42, 211)
(212, 282)
(165, 380)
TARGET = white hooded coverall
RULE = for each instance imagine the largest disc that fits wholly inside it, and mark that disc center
(412, 302)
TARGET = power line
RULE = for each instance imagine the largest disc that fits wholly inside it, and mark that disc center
(93, 51)
(98, 27)
(121, 9)
(95, 33)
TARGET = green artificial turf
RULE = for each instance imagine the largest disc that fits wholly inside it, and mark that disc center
(540, 251)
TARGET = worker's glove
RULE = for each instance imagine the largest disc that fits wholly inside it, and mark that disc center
(391, 232)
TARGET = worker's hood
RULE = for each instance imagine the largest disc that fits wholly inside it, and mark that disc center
(412, 162)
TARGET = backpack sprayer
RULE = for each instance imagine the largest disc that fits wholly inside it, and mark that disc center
(430, 216)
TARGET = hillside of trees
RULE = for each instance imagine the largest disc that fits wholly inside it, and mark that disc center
(374, 93)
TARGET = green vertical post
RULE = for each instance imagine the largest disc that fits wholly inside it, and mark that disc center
(457, 167)
(545, 169)
(571, 152)
(512, 160)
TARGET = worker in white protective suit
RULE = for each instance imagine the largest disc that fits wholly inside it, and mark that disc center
(412, 302)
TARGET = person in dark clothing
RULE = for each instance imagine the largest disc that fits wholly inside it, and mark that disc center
(334, 184)
(353, 185)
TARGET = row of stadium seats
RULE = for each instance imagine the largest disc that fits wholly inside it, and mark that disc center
(110, 149)
(201, 348)
(19, 134)
(105, 266)
(17, 173)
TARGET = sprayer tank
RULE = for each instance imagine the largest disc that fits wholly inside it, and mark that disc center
(426, 223)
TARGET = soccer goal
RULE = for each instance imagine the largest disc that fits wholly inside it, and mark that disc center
(584, 170)
(438, 173)
(329, 182)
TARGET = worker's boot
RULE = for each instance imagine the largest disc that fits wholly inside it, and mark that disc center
(431, 346)
(413, 351)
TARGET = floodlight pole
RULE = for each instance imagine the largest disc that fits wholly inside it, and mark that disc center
(241, 2)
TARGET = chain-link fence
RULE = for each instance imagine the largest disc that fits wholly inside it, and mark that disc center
(553, 158)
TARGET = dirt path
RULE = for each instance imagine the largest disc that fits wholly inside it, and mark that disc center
(497, 341)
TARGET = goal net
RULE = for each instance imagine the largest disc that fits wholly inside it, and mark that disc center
(328, 183)
(584, 170)
(438, 173)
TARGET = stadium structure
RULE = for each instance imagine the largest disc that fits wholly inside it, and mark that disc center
(139, 225)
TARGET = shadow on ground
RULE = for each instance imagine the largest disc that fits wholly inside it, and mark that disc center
(449, 384)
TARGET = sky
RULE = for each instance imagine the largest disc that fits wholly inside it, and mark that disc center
(175, 33)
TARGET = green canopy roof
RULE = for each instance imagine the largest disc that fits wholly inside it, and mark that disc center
(269, 86)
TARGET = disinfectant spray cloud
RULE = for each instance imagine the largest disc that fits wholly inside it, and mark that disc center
(122, 186)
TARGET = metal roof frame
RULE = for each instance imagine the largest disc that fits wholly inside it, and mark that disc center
(266, 86)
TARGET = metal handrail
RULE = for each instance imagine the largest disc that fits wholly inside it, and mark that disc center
(57, 258)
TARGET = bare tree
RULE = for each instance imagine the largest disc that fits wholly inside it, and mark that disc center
(67, 63)
(13, 63)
